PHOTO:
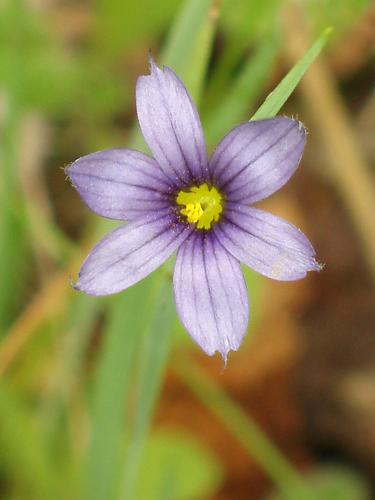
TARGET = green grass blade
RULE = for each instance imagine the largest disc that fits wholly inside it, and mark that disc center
(153, 359)
(279, 96)
(185, 35)
(121, 338)
(193, 71)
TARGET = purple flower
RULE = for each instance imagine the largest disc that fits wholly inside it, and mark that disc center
(180, 200)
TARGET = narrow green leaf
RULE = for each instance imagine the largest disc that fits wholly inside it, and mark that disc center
(121, 338)
(194, 71)
(185, 35)
(153, 359)
(277, 98)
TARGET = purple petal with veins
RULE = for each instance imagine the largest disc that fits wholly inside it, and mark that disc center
(253, 161)
(210, 294)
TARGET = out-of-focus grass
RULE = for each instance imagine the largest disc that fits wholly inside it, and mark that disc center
(75, 411)
(112, 384)
(244, 91)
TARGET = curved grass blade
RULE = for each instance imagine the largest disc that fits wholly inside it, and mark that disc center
(153, 359)
(121, 338)
(193, 71)
(277, 98)
(185, 38)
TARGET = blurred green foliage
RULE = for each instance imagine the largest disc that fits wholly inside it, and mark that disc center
(76, 407)
(177, 467)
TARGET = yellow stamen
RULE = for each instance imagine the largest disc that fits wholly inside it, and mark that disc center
(203, 206)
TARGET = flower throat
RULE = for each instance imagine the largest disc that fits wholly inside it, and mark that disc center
(203, 206)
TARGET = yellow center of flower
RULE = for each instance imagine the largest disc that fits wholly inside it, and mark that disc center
(203, 206)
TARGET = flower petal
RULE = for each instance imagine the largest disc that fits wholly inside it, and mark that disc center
(120, 183)
(130, 253)
(269, 245)
(210, 293)
(255, 159)
(171, 126)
